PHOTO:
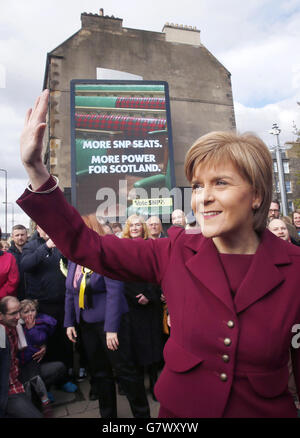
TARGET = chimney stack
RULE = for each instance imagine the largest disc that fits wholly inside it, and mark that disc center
(179, 33)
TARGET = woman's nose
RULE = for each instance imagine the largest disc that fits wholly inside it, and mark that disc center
(205, 196)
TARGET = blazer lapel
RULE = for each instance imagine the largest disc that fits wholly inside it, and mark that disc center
(205, 265)
(71, 272)
(263, 275)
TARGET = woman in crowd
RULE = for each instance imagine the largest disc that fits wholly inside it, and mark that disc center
(280, 229)
(291, 228)
(35, 373)
(296, 220)
(145, 311)
(98, 305)
(232, 290)
(9, 273)
(4, 245)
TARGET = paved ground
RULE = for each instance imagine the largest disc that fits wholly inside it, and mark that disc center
(78, 405)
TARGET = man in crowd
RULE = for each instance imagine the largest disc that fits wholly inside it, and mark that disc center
(154, 227)
(155, 230)
(178, 218)
(117, 228)
(107, 228)
(13, 400)
(18, 240)
(274, 211)
(191, 222)
(279, 228)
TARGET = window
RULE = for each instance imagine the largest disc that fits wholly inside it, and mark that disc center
(290, 205)
(286, 167)
(288, 187)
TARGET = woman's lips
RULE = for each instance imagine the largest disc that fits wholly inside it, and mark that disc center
(210, 214)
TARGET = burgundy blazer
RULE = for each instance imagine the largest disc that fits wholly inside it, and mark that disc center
(226, 357)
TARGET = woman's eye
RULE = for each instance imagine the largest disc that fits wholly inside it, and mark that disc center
(221, 183)
(196, 187)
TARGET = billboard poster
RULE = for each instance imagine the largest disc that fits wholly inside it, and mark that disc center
(121, 148)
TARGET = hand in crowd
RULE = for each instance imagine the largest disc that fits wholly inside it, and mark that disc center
(38, 356)
(163, 298)
(72, 334)
(50, 243)
(142, 299)
(169, 320)
(112, 341)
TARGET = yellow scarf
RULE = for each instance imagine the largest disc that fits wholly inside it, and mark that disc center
(84, 271)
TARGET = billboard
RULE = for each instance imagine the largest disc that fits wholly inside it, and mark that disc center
(121, 148)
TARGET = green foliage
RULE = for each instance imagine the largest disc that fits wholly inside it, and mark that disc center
(296, 203)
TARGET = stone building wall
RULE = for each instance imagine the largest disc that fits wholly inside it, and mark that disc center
(199, 85)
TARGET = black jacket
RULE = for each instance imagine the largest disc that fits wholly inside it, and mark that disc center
(295, 242)
(145, 322)
(18, 255)
(15, 252)
(4, 376)
(44, 280)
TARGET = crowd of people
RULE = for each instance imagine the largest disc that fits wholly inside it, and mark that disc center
(118, 328)
(222, 286)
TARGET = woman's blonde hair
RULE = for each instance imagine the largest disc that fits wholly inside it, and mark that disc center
(248, 153)
(28, 303)
(126, 231)
(92, 222)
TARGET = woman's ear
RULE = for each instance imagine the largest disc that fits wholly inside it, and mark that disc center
(256, 201)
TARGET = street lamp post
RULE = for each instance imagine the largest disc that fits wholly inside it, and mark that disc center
(5, 171)
(12, 213)
(276, 131)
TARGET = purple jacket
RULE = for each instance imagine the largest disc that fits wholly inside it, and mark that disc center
(37, 336)
(109, 302)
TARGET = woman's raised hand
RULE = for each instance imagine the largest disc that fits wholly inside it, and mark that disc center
(32, 141)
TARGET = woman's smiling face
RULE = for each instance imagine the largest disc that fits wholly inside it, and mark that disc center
(223, 201)
(136, 228)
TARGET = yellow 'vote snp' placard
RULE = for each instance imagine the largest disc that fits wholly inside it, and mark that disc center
(154, 202)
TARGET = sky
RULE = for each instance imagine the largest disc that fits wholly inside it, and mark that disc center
(257, 41)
